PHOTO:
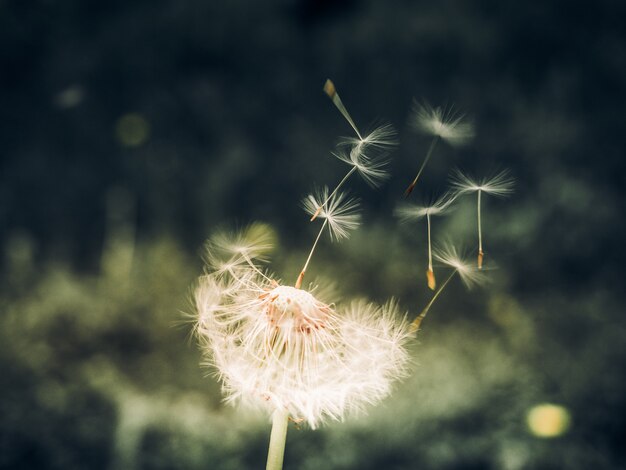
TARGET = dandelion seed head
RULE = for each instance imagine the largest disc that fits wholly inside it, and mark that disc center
(449, 125)
(289, 308)
(468, 271)
(501, 184)
(339, 209)
(279, 347)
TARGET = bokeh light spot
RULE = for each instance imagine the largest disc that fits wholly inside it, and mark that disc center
(70, 97)
(132, 130)
(548, 420)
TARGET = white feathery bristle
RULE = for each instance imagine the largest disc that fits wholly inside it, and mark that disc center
(501, 184)
(383, 137)
(411, 212)
(279, 347)
(369, 154)
(228, 250)
(468, 271)
(449, 125)
(340, 211)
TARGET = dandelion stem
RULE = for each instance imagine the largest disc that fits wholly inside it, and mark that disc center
(430, 274)
(480, 235)
(430, 251)
(345, 178)
(278, 436)
(416, 323)
(480, 231)
(306, 265)
(419, 172)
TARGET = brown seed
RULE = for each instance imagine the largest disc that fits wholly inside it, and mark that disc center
(432, 283)
(317, 212)
(329, 89)
(415, 325)
(300, 279)
(409, 190)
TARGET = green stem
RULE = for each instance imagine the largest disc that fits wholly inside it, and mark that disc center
(278, 436)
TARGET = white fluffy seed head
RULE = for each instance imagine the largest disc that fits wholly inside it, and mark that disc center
(446, 123)
(501, 184)
(278, 347)
(340, 210)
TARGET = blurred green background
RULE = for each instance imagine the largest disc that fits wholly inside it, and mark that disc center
(132, 130)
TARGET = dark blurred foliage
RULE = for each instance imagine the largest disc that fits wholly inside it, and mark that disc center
(132, 130)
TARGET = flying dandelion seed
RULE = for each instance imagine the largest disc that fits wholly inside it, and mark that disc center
(441, 123)
(366, 155)
(283, 349)
(340, 211)
(500, 185)
(339, 214)
(408, 212)
(470, 276)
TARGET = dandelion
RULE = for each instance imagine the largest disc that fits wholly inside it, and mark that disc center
(413, 212)
(294, 351)
(286, 350)
(365, 154)
(470, 276)
(441, 123)
(500, 185)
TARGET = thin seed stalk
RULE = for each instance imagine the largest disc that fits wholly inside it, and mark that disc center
(308, 260)
(419, 172)
(430, 274)
(345, 178)
(480, 235)
(415, 324)
(430, 251)
(480, 231)
(278, 437)
(331, 91)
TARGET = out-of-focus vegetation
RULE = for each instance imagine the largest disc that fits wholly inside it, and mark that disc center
(99, 371)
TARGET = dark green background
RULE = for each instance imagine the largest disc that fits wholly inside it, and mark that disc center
(102, 222)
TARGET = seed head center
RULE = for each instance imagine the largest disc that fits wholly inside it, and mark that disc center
(289, 308)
